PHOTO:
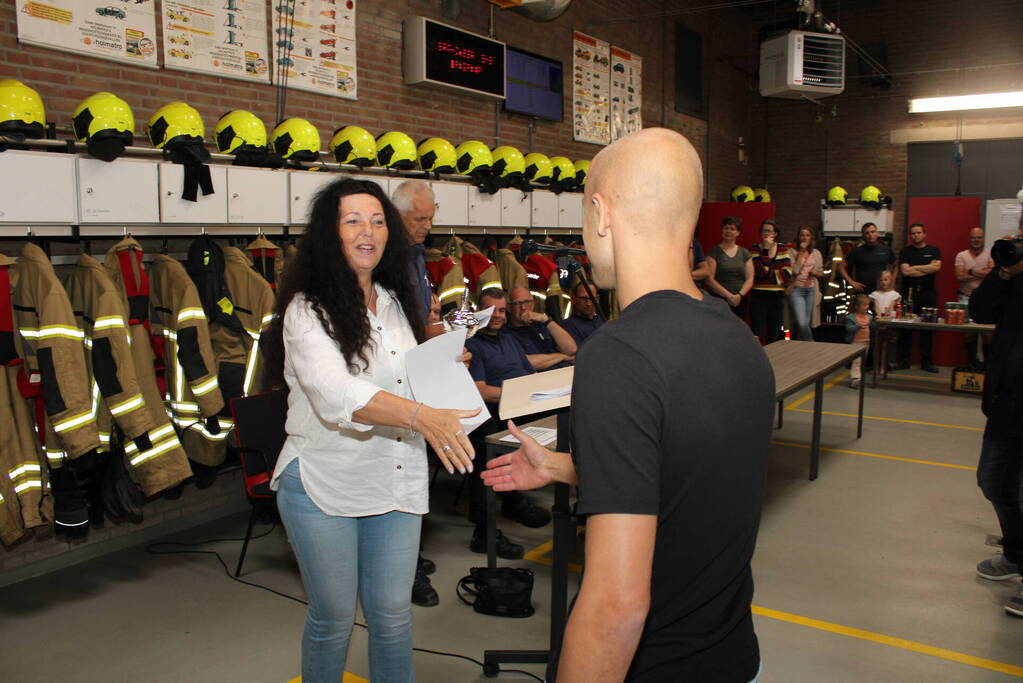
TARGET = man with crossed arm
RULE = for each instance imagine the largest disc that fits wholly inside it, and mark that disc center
(672, 491)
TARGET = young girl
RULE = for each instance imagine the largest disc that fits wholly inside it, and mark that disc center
(885, 296)
(857, 331)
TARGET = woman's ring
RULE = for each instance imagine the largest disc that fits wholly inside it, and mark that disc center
(458, 432)
(446, 447)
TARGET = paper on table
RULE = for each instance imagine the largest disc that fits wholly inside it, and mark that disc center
(550, 393)
(543, 435)
(440, 382)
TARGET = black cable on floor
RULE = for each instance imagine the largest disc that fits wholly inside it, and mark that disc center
(152, 549)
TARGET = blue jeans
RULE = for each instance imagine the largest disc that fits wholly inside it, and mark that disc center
(341, 558)
(801, 299)
(1000, 474)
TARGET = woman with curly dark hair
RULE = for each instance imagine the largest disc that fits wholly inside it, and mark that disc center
(351, 479)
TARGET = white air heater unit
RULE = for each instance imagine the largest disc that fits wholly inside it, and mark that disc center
(802, 64)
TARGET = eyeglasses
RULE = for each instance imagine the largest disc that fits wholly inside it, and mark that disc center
(520, 303)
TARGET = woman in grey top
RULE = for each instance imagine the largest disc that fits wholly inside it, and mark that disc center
(731, 267)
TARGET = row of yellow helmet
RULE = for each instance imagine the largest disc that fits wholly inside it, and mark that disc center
(106, 124)
(745, 193)
(870, 196)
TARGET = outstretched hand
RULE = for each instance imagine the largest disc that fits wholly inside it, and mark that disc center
(522, 469)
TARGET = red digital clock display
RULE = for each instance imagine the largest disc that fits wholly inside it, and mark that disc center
(464, 59)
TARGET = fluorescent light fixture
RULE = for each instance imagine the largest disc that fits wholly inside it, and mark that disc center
(992, 100)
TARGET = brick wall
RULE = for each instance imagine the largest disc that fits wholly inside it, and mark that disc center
(386, 103)
(935, 48)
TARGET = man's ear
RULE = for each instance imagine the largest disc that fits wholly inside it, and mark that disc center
(603, 214)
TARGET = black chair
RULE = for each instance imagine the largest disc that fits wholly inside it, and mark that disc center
(259, 427)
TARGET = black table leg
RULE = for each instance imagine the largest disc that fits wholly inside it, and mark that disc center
(877, 355)
(859, 423)
(491, 515)
(815, 446)
(781, 411)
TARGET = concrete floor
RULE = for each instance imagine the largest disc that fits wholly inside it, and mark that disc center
(866, 574)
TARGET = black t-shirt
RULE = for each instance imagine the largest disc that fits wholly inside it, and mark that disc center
(672, 409)
(868, 261)
(919, 256)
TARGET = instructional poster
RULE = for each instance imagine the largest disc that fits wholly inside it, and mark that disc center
(314, 46)
(222, 37)
(591, 83)
(626, 93)
(110, 29)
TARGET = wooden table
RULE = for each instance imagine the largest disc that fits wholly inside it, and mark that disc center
(883, 326)
(798, 364)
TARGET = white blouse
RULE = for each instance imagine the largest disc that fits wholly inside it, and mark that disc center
(350, 469)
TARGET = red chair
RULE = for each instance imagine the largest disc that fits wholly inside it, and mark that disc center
(259, 427)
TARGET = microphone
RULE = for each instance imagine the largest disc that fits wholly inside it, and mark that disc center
(530, 247)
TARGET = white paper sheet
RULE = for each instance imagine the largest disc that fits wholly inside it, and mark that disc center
(439, 381)
(550, 393)
(543, 435)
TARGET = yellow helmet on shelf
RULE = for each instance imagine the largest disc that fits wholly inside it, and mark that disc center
(21, 110)
(354, 145)
(473, 155)
(508, 162)
(539, 168)
(437, 155)
(296, 139)
(396, 150)
(105, 123)
(173, 123)
(238, 131)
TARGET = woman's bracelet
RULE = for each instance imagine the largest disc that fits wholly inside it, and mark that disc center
(412, 420)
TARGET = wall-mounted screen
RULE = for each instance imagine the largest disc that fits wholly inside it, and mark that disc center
(534, 85)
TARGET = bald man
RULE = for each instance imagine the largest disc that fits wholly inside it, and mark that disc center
(547, 344)
(671, 487)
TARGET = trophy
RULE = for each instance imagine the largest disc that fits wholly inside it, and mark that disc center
(464, 315)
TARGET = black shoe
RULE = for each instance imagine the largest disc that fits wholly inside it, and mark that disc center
(425, 566)
(928, 368)
(423, 594)
(900, 366)
(526, 512)
(505, 548)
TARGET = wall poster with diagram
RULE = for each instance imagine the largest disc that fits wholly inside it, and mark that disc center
(591, 83)
(314, 46)
(220, 37)
(626, 93)
(108, 29)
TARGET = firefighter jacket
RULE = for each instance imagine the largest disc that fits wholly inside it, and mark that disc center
(24, 498)
(447, 277)
(511, 271)
(253, 302)
(479, 272)
(267, 260)
(191, 367)
(130, 396)
(544, 281)
(53, 349)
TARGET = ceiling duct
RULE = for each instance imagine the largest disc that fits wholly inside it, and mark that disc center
(537, 10)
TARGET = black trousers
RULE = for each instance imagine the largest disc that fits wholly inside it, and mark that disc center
(477, 490)
(921, 298)
(766, 314)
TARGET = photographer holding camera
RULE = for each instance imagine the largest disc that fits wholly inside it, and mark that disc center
(999, 300)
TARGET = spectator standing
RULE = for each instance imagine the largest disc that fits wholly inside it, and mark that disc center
(804, 287)
(972, 266)
(918, 263)
(772, 270)
(867, 260)
(731, 267)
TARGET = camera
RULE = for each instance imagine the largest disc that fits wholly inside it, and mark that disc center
(1008, 252)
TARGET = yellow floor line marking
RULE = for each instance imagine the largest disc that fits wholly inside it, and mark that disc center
(902, 643)
(806, 397)
(539, 554)
(347, 678)
(891, 419)
(877, 455)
